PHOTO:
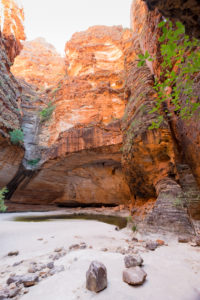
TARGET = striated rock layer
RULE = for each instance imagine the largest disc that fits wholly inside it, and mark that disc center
(11, 34)
(81, 141)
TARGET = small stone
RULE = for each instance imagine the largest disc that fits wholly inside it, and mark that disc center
(40, 239)
(13, 253)
(183, 239)
(133, 261)
(151, 245)
(50, 265)
(134, 276)
(104, 249)
(17, 263)
(32, 269)
(12, 286)
(4, 294)
(82, 245)
(59, 249)
(160, 242)
(117, 228)
(29, 280)
(14, 279)
(134, 239)
(74, 247)
(14, 292)
(56, 269)
(96, 277)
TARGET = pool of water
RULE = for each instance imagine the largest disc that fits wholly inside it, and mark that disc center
(121, 222)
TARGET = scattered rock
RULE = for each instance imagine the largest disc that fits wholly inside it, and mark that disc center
(132, 261)
(134, 276)
(50, 265)
(59, 249)
(96, 277)
(17, 263)
(83, 245)
(40, 239)
(160, 242)
(4, 294)
(32, 269)
(27, 280)
(74, 247)
(14, 292)
(56, 269)
(14, 279)
(104, 249)
(13, 253)
(151, 245)
(117, 228)
(134, 239)
(184, 239)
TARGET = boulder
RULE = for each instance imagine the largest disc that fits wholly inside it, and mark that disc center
(132, 261)
(96, 277)
(134, 276)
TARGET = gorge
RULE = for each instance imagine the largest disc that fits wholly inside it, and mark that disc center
(85, 119)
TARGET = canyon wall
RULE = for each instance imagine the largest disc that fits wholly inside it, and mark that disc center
(95, 146)
(81, 142)
(11, 35)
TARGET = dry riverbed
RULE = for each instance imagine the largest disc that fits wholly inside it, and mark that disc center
(59, 252)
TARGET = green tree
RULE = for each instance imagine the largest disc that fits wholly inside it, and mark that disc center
(16, 136)
(180, 56)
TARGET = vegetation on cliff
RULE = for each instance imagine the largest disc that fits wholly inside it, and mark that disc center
(180, 61)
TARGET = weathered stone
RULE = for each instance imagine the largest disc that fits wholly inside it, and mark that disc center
(27, 280)
(151, 245)
(134, 276)
(184, 239)
(96, 277)
(13, 253)
(56, 269)
(14, 292)
(59, 249)
(50, 265)
(132, 261)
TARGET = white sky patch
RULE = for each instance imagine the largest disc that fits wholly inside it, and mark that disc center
(57, 20)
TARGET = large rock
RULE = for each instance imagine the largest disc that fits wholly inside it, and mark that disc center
(134, 276)
(96, 277)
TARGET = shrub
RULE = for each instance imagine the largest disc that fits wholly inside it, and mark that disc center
(16, 136)
(33, 162)
(3, 191)
(46, 113)
(134, 228)
(180, 62)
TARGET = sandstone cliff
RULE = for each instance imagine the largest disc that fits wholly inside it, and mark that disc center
(82, 139)
(11, 35)
(95, 148)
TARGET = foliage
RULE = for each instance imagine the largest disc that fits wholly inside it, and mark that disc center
(46, 113)
(134, 228)
(3, 191)
(180, 61)
(33, 162)
(16, 136)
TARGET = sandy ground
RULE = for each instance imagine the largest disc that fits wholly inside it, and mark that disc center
(173, 270)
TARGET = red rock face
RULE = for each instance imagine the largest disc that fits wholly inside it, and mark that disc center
(81, 141)
(39, 64)
(10, 36)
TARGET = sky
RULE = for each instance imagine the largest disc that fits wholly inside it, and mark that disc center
(57, 20)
